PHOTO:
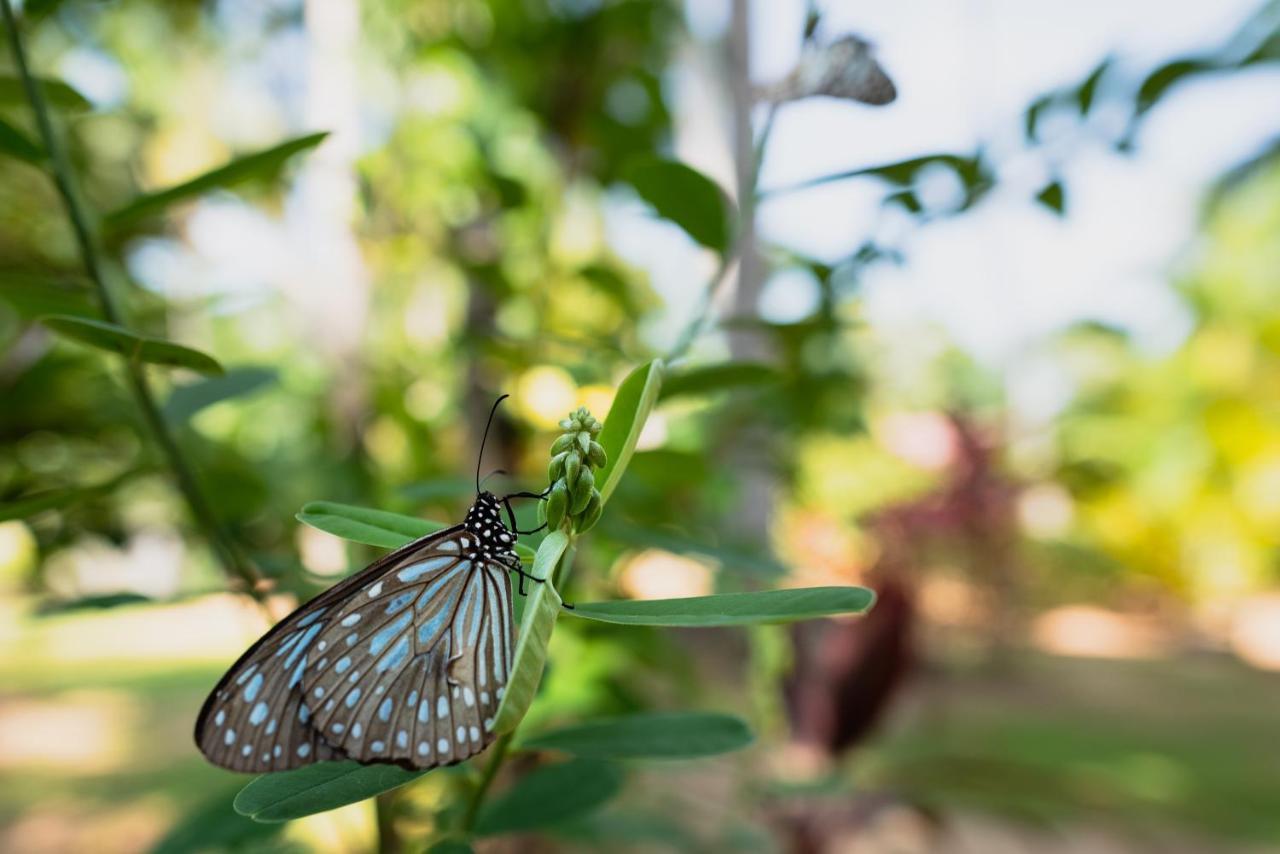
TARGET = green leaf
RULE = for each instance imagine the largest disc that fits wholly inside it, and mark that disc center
(375, 527)
(56, 92)
(540, 612)
(39, 502)
(686, 197)
(259, 165)
(1052, 197)
(712, 378)
(35, 293)
(317, 788)
(365, 525)
(631, 407)
(656, 735)
(17, 144)
(550, 794)
(186, 400)
(140, 348)
(212, 825)
(731, 609)
(1160, 81)
(450, 846)
(439, 488)
(100, 602)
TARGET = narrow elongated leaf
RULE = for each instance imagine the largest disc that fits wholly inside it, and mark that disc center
(375, 527)
(39, 502)
(713, 378)
(317, 788)
(34, 293)
(731, 609)
(56, 92)
(656, 735)
(259, 165)
(17, 144)
(366, 525)
(686, 197)
(631, 407)
(186, 400)
(140, 348)
(540, 612)
(550, 794)
(212, 825)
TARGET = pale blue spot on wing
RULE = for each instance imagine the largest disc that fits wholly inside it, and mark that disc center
(384, 711)
(303, 643)
(297, 672)
(240, 680)
(396, 657)
(357, 730)
(303, 713)
(271, 726)
(402, 739)
(388, 632)
(431, 628)
(442, 707)
(353, 697)
(288, 642)
(259, 713)
(251, 690)
(311, 618)
(424, 711)
(352, 638)
(400, 602)
(433, 589)
(413, 573)
(230, 737)
(342, 665)
(350, 620)
(303, 750)
(377, 746)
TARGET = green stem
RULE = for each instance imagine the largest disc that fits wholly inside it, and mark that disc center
(496, 758)
(502, 746)
(60, 165)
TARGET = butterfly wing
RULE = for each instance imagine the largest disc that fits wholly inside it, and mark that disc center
(257, 717)
(417, 660)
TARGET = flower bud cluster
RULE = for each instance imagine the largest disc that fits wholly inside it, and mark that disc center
(574, 457)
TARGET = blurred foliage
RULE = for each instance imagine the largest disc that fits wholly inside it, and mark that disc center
(493, 132)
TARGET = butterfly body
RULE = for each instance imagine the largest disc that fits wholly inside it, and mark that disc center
(405, 662)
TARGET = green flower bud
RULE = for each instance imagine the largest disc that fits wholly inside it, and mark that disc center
(557, 503)
(580, 492)
(556, 469)
(595, 427)
(567, 424)
(564, 442)
(599, 459)
(584, 442)
(591, 513)
(572, 464)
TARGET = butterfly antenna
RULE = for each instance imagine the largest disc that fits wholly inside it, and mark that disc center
(487, 425)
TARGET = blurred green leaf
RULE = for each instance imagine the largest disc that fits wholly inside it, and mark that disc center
(712, 378)
(440, 488)
(632, 404)
(375, 527)
(92, 603)
(1052, 197)
(39, 502)
(540, 613)
(17, 144)
(1161, 80)
(450, 846)
(117, 339)
(260, 165)
(686, 197)
(550, 794)
(732, 609)
(212, 825)
(317, 788)
(1088, 90)
(56, 92)
(655, 735)
(186, 400)
(32, 294)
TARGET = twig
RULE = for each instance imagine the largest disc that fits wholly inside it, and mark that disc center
(63, 177)
(496, 758)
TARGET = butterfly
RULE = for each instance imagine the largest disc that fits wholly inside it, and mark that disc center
(405, 662)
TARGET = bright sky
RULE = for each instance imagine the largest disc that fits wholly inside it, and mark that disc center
(1000, 277)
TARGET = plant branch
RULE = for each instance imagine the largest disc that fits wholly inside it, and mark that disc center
(496, 758)
(77, 215)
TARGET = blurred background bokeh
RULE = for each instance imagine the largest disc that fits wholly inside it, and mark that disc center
(1006, 350)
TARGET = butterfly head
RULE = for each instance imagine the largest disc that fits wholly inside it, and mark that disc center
(484, 520)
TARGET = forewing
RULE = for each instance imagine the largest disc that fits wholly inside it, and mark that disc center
(257, 719)
(417, 660)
